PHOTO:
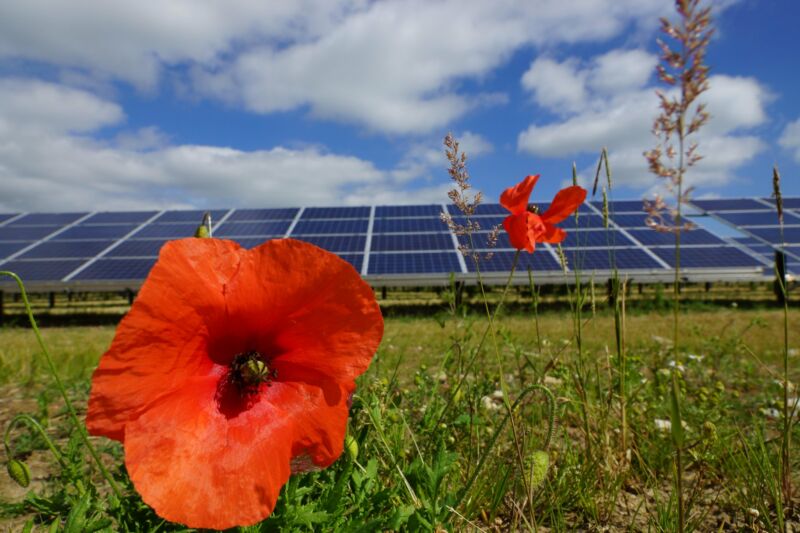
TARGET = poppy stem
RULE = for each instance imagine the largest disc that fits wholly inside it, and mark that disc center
(31, 422)
(73, 415)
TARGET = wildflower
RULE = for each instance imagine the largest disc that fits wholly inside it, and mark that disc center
(488, 404)
(234, 369)
(662, 425)
(525, 226)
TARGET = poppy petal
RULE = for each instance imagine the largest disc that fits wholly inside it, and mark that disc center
(552, 234)
(518, 233)
(564, 204)
(168, 317)
(515, 198)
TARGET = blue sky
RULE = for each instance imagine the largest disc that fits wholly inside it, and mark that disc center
(114, 105)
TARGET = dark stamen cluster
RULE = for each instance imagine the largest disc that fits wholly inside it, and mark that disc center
(533, 208)
(248, 371)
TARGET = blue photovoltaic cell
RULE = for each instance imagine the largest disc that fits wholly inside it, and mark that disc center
(120, 217)
(584, 208)
(587, 221)
(47, 219)
(763, 249)
(482, 209)
(486, 223)
(622, 206)
(623, 258)
(263, 214)
(761, 218)
(539, 261)
(587, 239)
(137, 248)
(408, 225)
(59, 249)
(412, 242)
(337, 243)
(408, 210)
(354, 259)
(713, 257)
(414, 263)
(316, 227)
(9, 248)
(6, 216)
(335, 212)
(81, 232)
(634, 220)
(26, 233)
(791, 235)
(480, 241)
(175, 231)
(651, 237)
(747, 240)
(243, 229)
(116, 269)
(252, 242)
(195, 215)
(42, 270)
(788, 202)
(728, 204)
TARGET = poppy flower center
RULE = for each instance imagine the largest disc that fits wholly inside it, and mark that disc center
(238, 389)
(533, 208)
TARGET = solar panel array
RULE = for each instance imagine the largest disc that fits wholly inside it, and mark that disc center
(406, 244)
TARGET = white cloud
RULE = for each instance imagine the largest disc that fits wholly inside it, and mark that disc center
(50, 167)
(618, 113)
(556, 86)
(790, 138)
(392, 66)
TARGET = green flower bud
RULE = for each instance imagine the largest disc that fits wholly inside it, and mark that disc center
(351, 445)
(19, 472)
(538, 463)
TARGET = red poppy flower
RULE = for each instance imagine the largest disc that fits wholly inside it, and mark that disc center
(232, 370)
(525, 226)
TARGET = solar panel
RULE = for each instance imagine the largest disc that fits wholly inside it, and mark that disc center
(60, 249)
(47, 219)
(83, 232)
(6, 216)
(263, 214)
(587, 221)
(230, 229)
(485, 223)
(8, 248)
(26, 233)
(252, 242)
(412, 241)
(335, 212)
(408, 211)
(408, 225)
(319, 227)
(482, 209)
(337, 243)
(195, 215)
(758, 218)
(632, 220)
(728, 204)
(622, 206)
(414, 263)
(788, 202)
(41, 270)
(137, 248)
(622, 258)
(539, 261)
(651, 237)
(790, 235)
(610, 238)
(117, 269)
(354, 259)
(480, 241)
(120, 217)
(716, 257)
(175, 231)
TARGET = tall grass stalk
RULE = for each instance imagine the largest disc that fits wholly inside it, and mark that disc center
(788, 414)
(682, 68)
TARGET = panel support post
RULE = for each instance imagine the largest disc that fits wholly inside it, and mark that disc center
(1, 308)
(131, 295)
(780, 276)
(52, 296)
(383, 293)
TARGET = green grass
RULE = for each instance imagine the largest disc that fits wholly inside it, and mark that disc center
(420, 445)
